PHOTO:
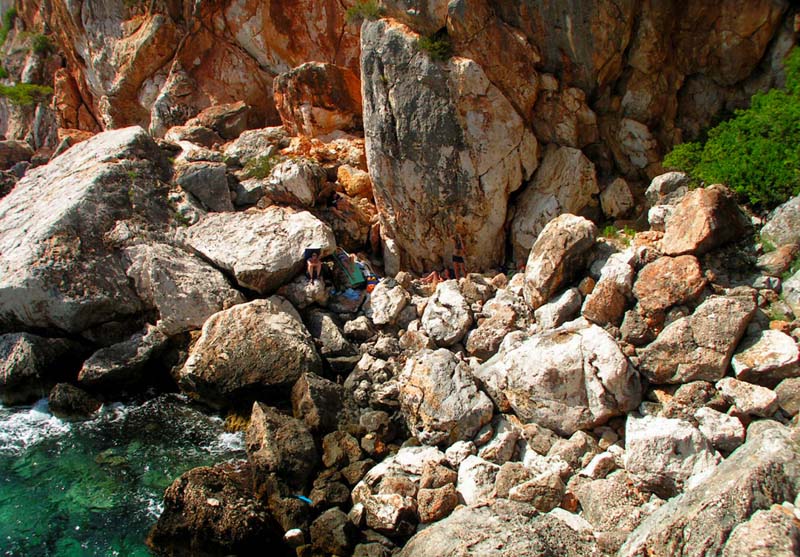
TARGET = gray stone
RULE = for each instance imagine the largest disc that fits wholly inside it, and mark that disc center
(570, 378)
(763, 471)
(441, 169)
(58, 270)
(248, 351)
(766, 358)
(31, 365)
(280, 445)
(252, 144)
(476, 479)
(447, 316)
(725, 432)
(262, 249)
(295, 182)
(617, 199)
(439, 399)
(768, 533)
(783, 224)
(750, 399)
(208, 182)
(667, 189)
(501, 529)
(125, 364)
(332, 533)
(319, 402)
(664, 455)
(182, 288)
(559, 310)
(329, 337)
(386, 302)
(564, 183)
(788, 392)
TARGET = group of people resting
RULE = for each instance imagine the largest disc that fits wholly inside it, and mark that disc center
(314, 265)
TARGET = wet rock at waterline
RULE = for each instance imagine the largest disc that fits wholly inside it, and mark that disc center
(31, 365)
(211, 511)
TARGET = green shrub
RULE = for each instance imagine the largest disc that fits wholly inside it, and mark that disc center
(40, 44)
(3, 72)
(437, 45)
(8, 23)
(757, 152)
(368, 9)
(25, 94)
(260, 167)
(609, 231)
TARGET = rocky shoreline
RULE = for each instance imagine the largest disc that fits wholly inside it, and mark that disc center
(630, 394)
(630, 389)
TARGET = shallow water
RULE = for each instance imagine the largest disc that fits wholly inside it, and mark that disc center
(95, 488)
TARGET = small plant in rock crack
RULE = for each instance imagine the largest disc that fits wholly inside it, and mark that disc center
(437, 45)
(368, 9)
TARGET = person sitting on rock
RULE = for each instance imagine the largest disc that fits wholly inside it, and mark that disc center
(313, 267)
(459, 268)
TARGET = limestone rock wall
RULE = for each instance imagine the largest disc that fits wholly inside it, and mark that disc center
(449, 140)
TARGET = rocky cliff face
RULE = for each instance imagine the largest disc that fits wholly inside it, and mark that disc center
(449, 138)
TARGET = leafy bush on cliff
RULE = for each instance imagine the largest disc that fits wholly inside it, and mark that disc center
(25, 94)
(369, 9)
(757, 152)
(8, 22)
(437, 45)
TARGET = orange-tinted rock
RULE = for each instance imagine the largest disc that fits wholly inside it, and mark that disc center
(606, 304)
(510, 61)
(704, 219)
(317, 98)
(228, 120)
(356, 182)
(668, 281)
(71, 112)
(563, 116)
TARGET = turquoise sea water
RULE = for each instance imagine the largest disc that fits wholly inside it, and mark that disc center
(95, 488)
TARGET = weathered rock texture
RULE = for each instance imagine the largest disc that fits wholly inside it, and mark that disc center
(445, 149)
(59, 270)
(248, 351)
(574, 377)
(262, 249)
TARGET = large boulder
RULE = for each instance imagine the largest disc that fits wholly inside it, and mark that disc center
(445, 149)
(439, 398)
(249, 350)
(280, 445)
(663, 455)
(208, 182)
(182, 288)
(32, 364)
(763, 471)
(318, 98)
(58, 269)
(447, 316)
(262, 249)
(700, 346)
(566, 379)
(703, 220)
(294, 182)
(210, 511)
(126, 364)
(564, 183)
(668, 281)
(500, 529)
(559, 253)
(386, 302)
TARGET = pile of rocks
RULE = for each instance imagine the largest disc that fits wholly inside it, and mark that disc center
(632, 395)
